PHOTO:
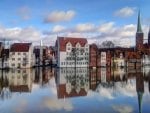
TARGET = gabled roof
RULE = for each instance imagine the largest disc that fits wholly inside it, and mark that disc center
(62, 93)
(64, 40)
(20, 47)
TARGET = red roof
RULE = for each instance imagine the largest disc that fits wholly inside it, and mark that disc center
(64, 40)
(61, 92)
(20, 47)
(20, 88)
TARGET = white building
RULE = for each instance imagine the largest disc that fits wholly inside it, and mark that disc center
(21, 55)
(146, 60)
(72, 52)
(72, 82)
(20, 80)
(119, 61)
(103, 59)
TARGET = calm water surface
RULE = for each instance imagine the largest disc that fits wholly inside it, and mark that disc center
(75, 90)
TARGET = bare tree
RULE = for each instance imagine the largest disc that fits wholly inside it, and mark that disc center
(105, 44)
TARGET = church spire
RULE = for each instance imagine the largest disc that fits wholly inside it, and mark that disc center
(140, 96)
(139, 28)
(149, 36)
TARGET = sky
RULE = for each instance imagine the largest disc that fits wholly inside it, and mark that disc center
(96, 20)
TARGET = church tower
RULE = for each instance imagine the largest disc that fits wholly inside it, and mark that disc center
(139, 35)
(149, 37)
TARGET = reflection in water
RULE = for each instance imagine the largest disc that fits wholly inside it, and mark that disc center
(110, 84)
(21, 80)
(72, 82)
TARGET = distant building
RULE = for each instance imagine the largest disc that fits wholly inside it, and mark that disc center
(21, 55)
(72, 52)
(93, 59)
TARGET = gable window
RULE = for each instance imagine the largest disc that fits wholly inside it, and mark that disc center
(19, 58)
(13, 53)
(24, 53)
(13, 59)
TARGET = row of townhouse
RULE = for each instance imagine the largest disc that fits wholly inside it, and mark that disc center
(25, 55)
(76, 52)
(120, 57)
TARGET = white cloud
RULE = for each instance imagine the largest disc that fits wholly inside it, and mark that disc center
(55, 104)
(24, 12)
(58, 28)
(85, 27)
(20, 34)
(106, 27)
(59, 16)
(123, 108)
(125, 12)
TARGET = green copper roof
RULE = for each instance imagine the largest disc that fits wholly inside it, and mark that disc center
(139, 28)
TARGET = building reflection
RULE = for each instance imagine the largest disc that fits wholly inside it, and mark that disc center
(72, 82)
(75, 82)
(22, 80)
(140, 89)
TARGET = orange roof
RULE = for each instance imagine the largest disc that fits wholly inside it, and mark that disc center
(20, 47)
(64, 40)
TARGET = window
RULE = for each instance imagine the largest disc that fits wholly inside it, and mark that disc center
(13, 59)
(12, 65)
(13, 53)
(87, 49)
(19, 53)
(18, 71)
(24, 53)
(24, 59)
(24, 64)
(19, 58)
(24, 71)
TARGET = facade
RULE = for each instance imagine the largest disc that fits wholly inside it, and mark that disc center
(20, 80)
(72, 52)
(93, 60)
(21, 55)
(72, 82)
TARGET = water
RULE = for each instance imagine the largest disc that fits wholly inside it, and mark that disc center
(75, 90)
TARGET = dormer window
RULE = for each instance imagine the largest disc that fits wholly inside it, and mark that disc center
(78, 45)
(86, 45)
(68, 46)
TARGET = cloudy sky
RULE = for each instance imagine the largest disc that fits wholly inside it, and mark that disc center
(96, 20)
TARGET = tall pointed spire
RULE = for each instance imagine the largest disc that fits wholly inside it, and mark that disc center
(149, 36)
(139, 28)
